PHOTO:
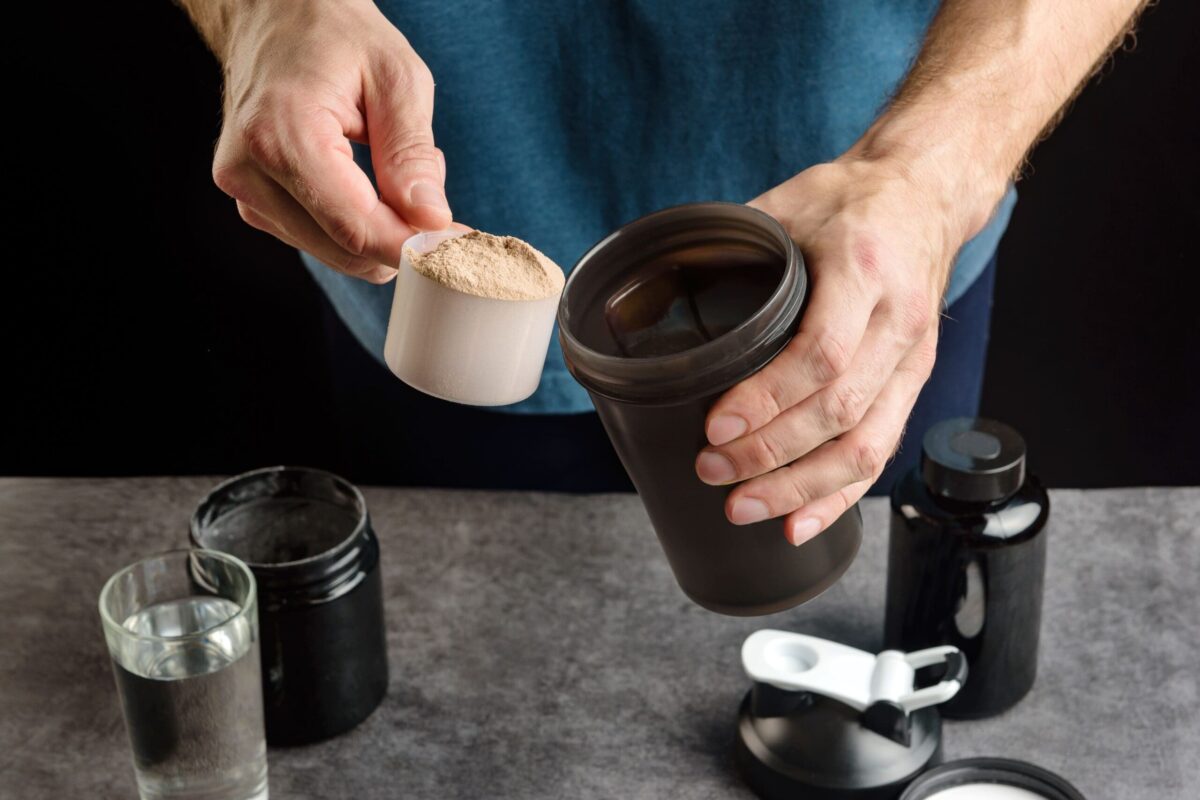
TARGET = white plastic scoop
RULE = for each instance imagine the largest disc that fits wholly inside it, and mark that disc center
(461, 347)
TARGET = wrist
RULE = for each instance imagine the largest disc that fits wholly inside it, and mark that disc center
(217, 21)
(960, 180)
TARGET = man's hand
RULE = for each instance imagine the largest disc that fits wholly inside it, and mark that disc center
(301, 79)
(812, 430)
(879, 228)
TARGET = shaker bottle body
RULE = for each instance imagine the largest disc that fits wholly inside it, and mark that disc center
(656, 322)
(741, 570)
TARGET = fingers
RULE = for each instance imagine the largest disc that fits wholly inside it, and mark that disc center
(805, 486)
(823, 349)
(409, 169)
(805, 523)
(828, 413)
(264, 204)
(380, 274)
(305, 153)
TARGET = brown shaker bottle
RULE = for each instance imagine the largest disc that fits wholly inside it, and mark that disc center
(656, 321)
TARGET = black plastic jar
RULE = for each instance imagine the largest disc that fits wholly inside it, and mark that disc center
(967, 560)
(307, 537)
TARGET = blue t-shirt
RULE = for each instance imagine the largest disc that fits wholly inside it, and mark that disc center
(561, 120)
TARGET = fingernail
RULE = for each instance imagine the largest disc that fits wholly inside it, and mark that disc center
(804, 529)
(381, 274)
(748, 510)
(726, 428)
(426, 194)
(715, 468)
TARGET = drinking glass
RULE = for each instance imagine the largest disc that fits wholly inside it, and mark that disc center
(182, 630)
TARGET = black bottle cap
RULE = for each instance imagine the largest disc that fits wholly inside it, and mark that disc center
(973, 460)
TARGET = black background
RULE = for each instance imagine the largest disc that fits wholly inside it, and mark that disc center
(148, 331)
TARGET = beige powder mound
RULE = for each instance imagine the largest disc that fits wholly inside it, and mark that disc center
(499, 267)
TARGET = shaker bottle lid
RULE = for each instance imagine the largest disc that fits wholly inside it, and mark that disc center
(824, 721)
(973, 459)
(990, 779)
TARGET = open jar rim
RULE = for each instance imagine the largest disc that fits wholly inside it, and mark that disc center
(708, 367)
(331, 563)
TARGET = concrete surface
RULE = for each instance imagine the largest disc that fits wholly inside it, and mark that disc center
(540, 649)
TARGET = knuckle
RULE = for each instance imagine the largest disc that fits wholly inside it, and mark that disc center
(866, 255)
(765, 452)
(845, 498)
(923, 358)
(412, 75)
(797, 493)
(349, 233)
(351, 264)
(230, 179)
(311, 197)
(260, 135)
(404, 77)
(829, 357)
(412, 146)
(759, 398)
(868, 459)
(248, 215)
(917, 313)
(842, 407)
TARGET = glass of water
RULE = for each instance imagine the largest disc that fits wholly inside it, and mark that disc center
(182, 630)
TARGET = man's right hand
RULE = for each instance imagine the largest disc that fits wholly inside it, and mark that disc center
(303, 78)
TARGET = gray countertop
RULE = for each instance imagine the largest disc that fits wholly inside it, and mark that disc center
(540, 649)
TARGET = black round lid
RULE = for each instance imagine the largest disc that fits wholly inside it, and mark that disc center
(961, 775)
(973, 459)
(822, 751)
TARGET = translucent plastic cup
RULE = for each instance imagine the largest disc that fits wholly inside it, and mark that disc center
(658, 320)
(460, 347)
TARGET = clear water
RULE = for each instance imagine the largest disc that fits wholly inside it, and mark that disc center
(193, 706)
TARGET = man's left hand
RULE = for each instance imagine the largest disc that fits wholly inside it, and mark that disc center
(809, 433)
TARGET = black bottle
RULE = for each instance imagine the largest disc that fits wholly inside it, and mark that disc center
(967, 559)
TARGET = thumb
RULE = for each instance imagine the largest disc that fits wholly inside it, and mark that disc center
(409, 170)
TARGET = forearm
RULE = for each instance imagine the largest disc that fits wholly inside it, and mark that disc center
(215, 21)
(991, 76)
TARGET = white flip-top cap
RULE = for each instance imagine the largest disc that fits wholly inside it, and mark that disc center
(799, 663)
(461, 347)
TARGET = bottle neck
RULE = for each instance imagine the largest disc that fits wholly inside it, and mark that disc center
(968, 507)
